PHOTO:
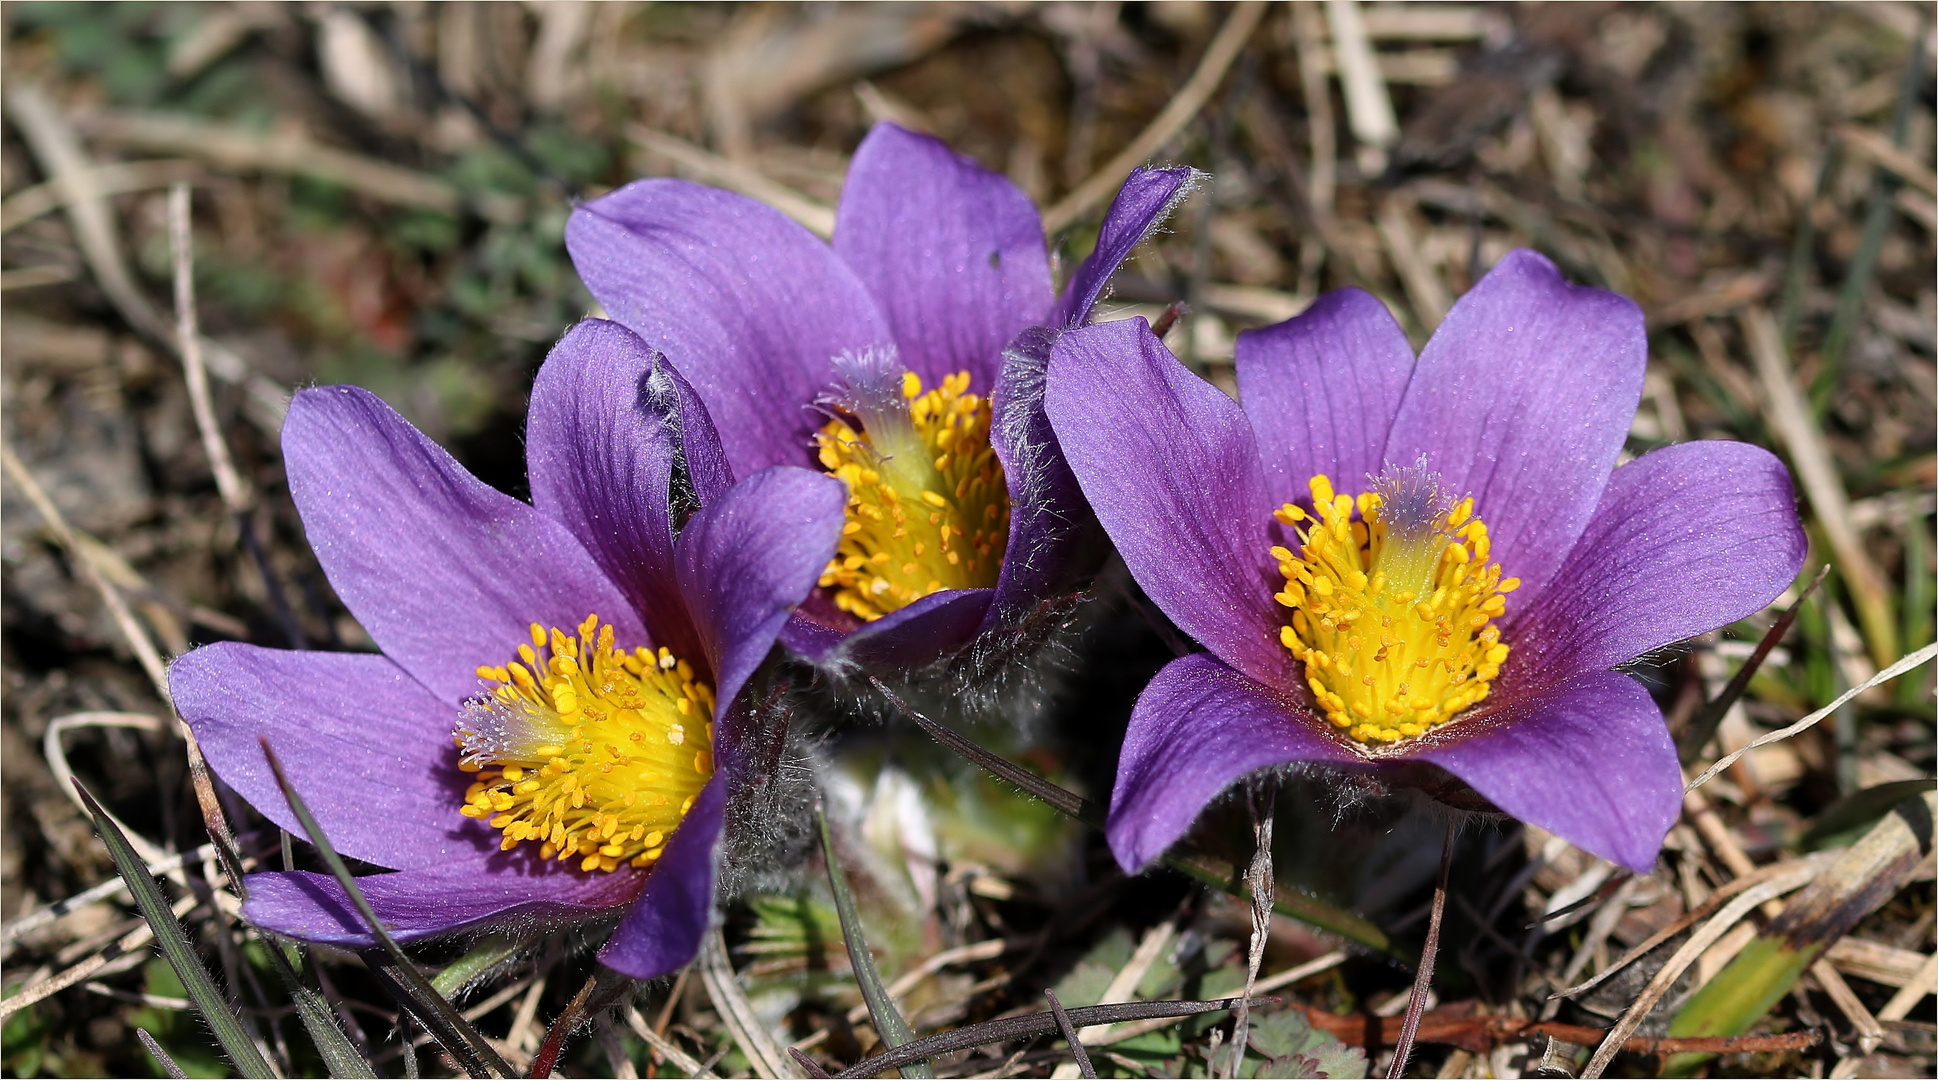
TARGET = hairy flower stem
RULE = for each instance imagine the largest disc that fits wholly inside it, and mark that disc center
(1423, 975)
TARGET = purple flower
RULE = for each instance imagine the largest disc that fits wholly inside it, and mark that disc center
(907, 358)
(1463, 611)
(584, 653)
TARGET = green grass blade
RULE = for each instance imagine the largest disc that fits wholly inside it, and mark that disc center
(463, 1041)
(196, 980)
(881, 1007)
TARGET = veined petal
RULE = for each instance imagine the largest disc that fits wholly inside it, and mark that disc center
(952, 253)
(510, 889)
(367, 747)
(1141, 205)
(746, 560)
(750, 306)
(1170, 465)
(1590, 761)
(444, 572)
(1686, 539)
(1197, 728)
(1322, 389)
(663, 929)
(1522, 399)
(601, 462)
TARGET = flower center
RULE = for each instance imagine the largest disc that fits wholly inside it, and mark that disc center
(1391, 614)
(927, 505)
(594, 752)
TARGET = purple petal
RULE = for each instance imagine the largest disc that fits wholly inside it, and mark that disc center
(602, 464)
(511, 890)
(746, 561)
(1171, 467)
(1322, 389)
(1145, 200)
(1522, 400)
(1686, 539)
(663, 930)
(952, 253)
(1591, 762)
(367, 747)
(1197, 728)
(750, 306)
(443, 572)
(1049, 520)
(924, 631)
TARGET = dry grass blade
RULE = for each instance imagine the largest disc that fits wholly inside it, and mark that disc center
(687, 1064)
(743, 1024)
(42, 916)
(161, 1056)
(1416, 1004)
(201, 988)
(887, 1019)
(1790, 415)
(1908, 663)
(121, 178)
(1703, 727)
(188, 340)
(1887, 154)
(1177, 113)
(452, 1032)
(1697, 944)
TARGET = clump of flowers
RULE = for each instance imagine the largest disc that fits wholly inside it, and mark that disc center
(906, 359)
(555, 728)
(1417, 567)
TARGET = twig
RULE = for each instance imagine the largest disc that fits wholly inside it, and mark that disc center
(1258, 878)
(1416, 1005)
(1817, 470)
(1178, 112)
(1071, 1037)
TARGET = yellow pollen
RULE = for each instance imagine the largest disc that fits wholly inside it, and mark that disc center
(928, 508)
(593, 754)
(1392, 613)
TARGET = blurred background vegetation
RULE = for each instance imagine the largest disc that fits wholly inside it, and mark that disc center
(379, 194)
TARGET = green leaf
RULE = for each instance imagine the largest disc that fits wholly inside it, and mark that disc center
(881, 1007)
(451, 1030)
(196, 980)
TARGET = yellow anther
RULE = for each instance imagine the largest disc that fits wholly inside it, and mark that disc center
(1393, 602)
(568, 761)
(929, 485)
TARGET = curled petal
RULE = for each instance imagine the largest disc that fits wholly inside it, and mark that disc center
(1141, 205)
(512, 890)
(1590, 761)
(1198, 727)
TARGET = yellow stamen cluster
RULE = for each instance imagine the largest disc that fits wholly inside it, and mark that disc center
(922, 517)
(1391, 617)
(594, 752)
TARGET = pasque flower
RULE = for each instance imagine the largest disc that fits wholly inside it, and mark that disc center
(906, 359)
(551, 731)
(1403, 565)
